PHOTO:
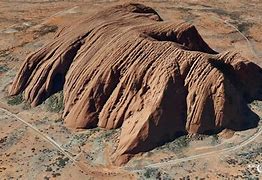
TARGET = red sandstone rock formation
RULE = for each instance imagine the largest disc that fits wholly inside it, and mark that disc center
(126, 67)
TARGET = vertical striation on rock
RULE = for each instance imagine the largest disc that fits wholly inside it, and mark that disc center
(126, 67)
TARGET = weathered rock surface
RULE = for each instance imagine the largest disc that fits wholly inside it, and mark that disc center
(126, 67)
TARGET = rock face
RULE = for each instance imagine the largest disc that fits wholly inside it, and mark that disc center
(126, 67)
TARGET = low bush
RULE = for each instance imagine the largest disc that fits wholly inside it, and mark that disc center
(55, 102)
(15, 100)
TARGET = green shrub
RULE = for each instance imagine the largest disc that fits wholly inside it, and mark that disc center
(215, 140)
(55, 102)
(107, 134)
(26, 106)
(15, 100)
(3, 69)
(150, 173)
(178, 144)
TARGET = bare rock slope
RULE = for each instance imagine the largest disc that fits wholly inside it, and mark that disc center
(126, 67)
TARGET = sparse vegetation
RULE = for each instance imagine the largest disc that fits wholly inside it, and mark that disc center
(62, 161)
(108, 134)
(214, 139)
(45, 29)
(56, 174)
(4, 53)
(49, 169)
(77, 140)
(26, 106)
(59, 120)
(150, 173)
(176, 145)
(154, 173)
(15, 100)
(3, 68)
(244, 26)
(46, 178)
(55, 102)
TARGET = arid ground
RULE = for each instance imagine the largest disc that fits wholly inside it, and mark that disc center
(34, 144)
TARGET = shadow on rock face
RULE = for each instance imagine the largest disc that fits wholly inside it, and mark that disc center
(126, 67)
(246, 78)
